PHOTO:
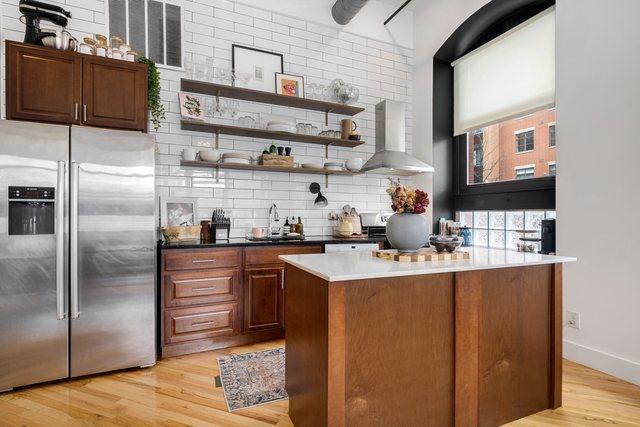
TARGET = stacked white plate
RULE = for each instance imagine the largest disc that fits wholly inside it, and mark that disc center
(282, 126)
(333, 166)
(236, 158)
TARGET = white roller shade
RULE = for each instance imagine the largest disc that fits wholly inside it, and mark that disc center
(508, 77)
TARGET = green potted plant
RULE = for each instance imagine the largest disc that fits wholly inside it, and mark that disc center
(153, 93)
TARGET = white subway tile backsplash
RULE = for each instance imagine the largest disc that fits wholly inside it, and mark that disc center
(320, 54)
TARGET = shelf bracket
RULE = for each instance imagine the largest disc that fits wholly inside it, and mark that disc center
(216, 175)
(326, 180)
(326, 151)
(217, 140)
(326, 116)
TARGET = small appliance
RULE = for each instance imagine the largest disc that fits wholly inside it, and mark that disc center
(33, 12)
(548, 243)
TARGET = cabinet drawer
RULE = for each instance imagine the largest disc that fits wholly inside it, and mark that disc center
(269, 255)
(182, 259)
(201, 287)
(185, 324)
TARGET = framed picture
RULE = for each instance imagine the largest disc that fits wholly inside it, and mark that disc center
(191, 106)
(179, 212)
(290, 85)
(261, 65)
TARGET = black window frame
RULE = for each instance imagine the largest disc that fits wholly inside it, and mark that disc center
(552, 125)
(451, 191)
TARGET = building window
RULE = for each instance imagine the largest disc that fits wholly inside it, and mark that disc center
(524, 141)
(478, 156)
(552, 135)
(525, 172)
(153, 28)
(552, 169)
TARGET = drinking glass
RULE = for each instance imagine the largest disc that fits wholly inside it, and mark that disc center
(311, 90)
(320, 89)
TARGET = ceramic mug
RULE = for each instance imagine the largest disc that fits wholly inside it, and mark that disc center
(348, 127)
(189, 154)
(257, 232)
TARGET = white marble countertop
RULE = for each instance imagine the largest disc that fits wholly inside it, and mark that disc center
(341, 266)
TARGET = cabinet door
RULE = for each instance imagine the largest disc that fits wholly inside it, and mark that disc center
(263, 299)
(114, 94)
(43, 84)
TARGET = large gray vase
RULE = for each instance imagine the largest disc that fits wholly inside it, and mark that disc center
(407, 232)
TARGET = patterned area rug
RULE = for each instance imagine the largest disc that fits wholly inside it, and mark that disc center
(252, 378)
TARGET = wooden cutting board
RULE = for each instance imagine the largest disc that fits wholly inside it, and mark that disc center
(421, 255)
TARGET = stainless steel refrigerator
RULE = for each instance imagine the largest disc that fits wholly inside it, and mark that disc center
(76, 252)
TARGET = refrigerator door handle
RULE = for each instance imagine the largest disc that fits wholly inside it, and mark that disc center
(59, 202)
(75, 174)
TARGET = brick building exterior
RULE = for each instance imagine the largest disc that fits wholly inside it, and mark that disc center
(516, 149)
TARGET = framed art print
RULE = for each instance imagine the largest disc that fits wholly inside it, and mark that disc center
(191, 106)
(261, 65)
(179, 212)
(290, 85)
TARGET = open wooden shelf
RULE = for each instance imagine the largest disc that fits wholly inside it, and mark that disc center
(225, 91)
(198, 126)
(265, 168)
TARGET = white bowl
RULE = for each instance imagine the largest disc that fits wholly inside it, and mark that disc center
(212, 156)
(354, 164)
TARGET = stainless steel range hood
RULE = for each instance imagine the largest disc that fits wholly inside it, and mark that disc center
(390, 157)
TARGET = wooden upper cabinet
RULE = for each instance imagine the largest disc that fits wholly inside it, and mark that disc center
(43, 84)
(57, 86)
(263, 299)
(114, 93)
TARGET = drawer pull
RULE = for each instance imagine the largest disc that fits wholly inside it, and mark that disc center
(210, 322)
(201, 261)
(208, 288)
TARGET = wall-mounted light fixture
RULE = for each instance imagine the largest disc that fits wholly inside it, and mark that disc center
(321, 201)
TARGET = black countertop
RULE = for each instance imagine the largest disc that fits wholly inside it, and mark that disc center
(241, 242)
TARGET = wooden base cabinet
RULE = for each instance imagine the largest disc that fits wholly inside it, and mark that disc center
(222, 297)
(263, 302)
(56, 86)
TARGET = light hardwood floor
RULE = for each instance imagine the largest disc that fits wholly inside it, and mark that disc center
(180, 391)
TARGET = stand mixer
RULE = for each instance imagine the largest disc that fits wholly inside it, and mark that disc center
(34, 11)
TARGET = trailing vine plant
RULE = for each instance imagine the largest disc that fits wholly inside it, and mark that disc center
(153, 92)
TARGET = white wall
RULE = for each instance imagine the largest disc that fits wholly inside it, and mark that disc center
(317, 51)
(435, 21)
(598, 200)
(367, 23)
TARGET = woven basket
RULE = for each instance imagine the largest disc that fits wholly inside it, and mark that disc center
(191, 232)
(276, 160)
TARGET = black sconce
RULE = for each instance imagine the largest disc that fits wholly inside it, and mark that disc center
(321, 201)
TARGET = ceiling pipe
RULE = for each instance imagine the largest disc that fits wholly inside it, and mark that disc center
(343, 11)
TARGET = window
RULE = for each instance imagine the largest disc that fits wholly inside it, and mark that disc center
(492, 158)
(552, 168)
(153, 28)
(525, 172)
(524, 141)
(552, 135)
(503, 229)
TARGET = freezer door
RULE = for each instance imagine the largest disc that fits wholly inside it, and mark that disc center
(112, 237)
(33, 256)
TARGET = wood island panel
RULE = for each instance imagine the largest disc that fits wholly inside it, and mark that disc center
(474, 348)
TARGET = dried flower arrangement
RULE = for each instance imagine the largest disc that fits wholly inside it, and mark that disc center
(405, 199)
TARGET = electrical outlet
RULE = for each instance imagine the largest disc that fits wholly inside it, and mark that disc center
(573, 319)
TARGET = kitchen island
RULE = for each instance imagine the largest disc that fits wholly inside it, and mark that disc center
(372, 342)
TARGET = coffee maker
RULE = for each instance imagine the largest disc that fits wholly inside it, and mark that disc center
(34, 11)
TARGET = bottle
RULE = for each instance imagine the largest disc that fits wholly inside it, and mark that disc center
(286, 229)
(294, 226)
(300, 227)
